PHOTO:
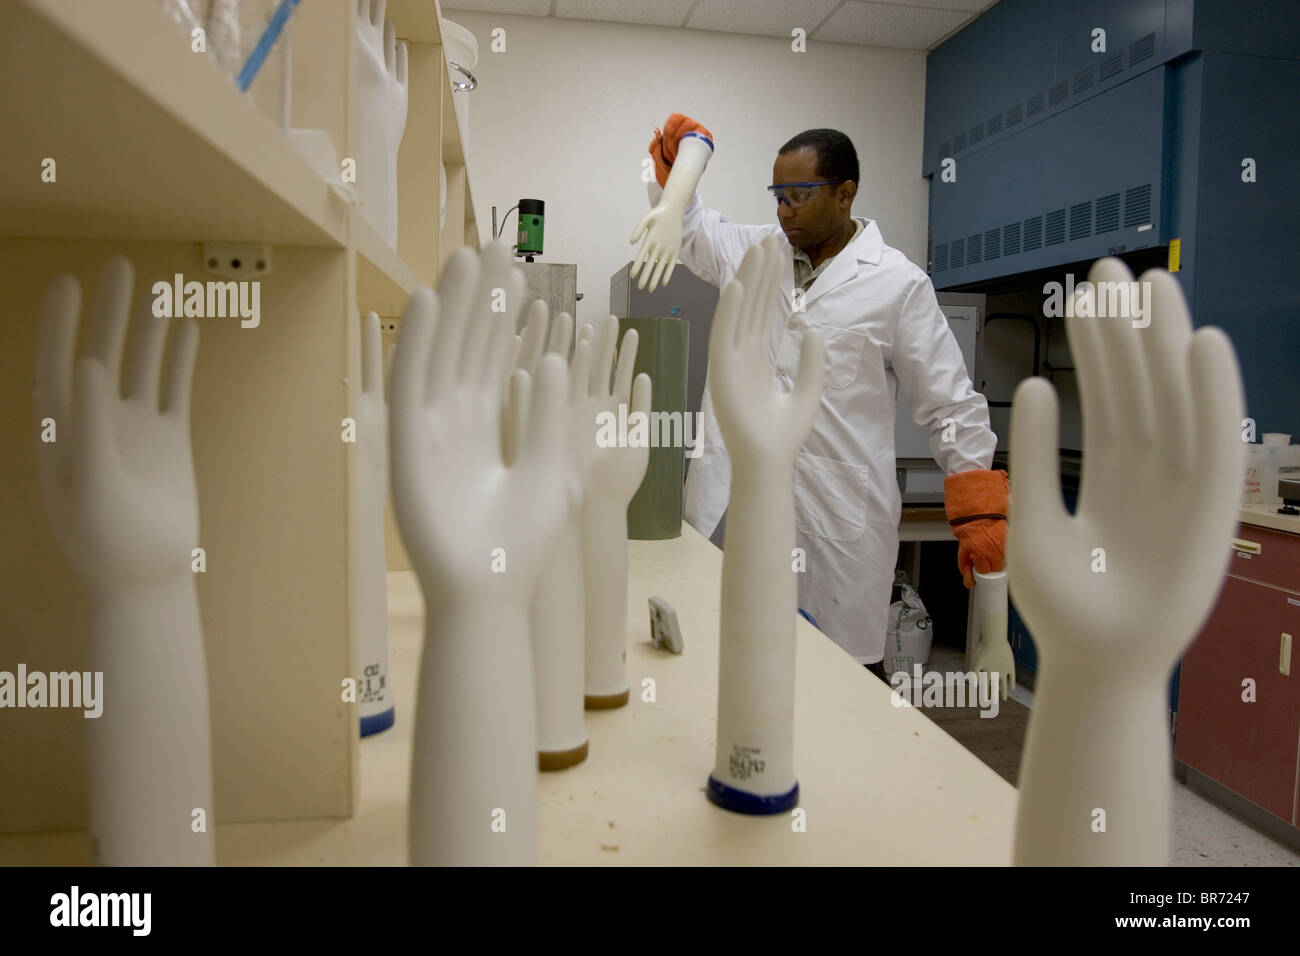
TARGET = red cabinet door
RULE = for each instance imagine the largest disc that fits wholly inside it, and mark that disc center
(1251, 748)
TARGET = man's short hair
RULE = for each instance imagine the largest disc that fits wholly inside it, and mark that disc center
(836, 157)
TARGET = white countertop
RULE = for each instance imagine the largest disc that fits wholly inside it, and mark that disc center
(1266, 516)
(879, 785)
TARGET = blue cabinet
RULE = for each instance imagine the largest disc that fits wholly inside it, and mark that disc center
(1239, 239)
(1025, 61)
(1043, 137)
(1063, 153)
(1082, 184)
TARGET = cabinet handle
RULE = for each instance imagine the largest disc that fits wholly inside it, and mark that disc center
(1284, 655)
(1249, 547)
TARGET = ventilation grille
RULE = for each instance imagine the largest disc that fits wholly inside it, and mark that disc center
(1142, 49)
(1011, 239)
(1080, 221)
(1057, 94)
(1108, 213)
(1137, 206)
(1055, 227)
(992, 244)
(1033, 233)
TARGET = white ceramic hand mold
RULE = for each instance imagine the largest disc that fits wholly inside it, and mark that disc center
(378, 709)
(763, 428)
(614, 474)
(477, 530)
(382, 100)
(1115, 592)
(119, 489)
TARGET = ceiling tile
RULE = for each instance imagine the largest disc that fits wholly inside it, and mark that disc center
(526, 8)
(773, 18)
(663, 13)
(912, 24)
(968, 6)
(881, 24)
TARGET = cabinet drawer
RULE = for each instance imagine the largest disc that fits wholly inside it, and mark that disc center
(1277, 561)
(1248, 746)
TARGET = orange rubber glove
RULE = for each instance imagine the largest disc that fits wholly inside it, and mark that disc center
(663, 148)
(976, 503)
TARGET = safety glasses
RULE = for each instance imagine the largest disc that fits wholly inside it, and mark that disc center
(796, 194)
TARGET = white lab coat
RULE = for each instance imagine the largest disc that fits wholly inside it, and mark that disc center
(883, 328)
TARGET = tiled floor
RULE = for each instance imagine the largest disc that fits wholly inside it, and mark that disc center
(1204, 834)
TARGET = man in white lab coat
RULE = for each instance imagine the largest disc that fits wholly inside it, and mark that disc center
(883, 328)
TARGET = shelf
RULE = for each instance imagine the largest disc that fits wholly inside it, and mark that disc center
(384, 280)
(415, 20)
(453, 126)
(135, 158)
(470, 218)
(157, 151)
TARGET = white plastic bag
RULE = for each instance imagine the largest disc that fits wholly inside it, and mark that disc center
(908, 640)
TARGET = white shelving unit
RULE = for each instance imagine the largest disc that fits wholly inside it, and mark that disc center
(156, 152)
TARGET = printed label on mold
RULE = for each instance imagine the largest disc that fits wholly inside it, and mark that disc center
(746, 762)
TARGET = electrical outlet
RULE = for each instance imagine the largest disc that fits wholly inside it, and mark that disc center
(389, 326)
(237, 260)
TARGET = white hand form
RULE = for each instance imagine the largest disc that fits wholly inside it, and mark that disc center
(577, 428)
(662, 226)
(558, 604)
(372, 409)
(376, 696)
(763, 428)
(993, 653)
(995, 658)
(657, 257)
(525, 354)
(382, 93)
(118, 486)
(477, 530)
(615, 473)
(118, 483)
(1113, 594)
(762, 424)
(452, 493)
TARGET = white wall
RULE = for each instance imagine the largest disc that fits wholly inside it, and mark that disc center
(566, 112)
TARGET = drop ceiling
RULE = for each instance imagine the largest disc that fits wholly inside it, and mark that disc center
(909, 24)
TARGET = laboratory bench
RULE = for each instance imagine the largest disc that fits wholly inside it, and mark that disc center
(879, 785)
